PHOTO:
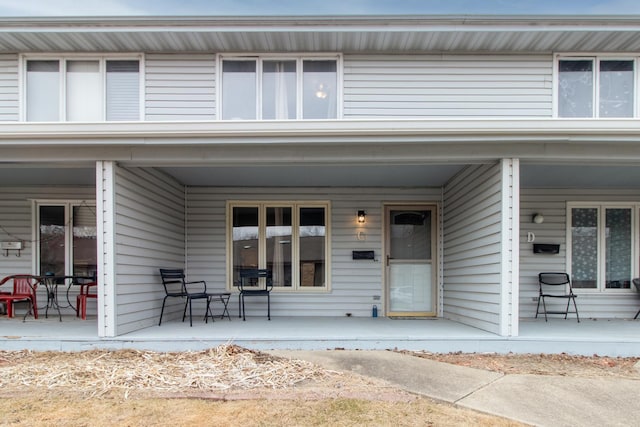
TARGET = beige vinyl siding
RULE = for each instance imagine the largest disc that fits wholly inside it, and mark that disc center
(149, 235)
(552, 203)
(16, 219)
(180, 87)
(472, 247)
(447, 86)
(354, 284)
(9, 105)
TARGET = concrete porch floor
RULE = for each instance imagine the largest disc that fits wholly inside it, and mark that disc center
(611, 337)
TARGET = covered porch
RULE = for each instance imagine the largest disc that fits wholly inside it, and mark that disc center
(591, 212)
(610, 337)
(163, 203)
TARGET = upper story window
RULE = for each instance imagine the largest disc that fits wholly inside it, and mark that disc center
(596, 87)
(256, 88)
(82, 89)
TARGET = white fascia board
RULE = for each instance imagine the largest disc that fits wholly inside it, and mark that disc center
(403, 23)
(424, 130)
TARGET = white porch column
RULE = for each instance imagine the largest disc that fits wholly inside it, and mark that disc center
(105, 217)
(509, 303)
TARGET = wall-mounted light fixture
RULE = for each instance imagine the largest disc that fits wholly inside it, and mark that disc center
(537, 218)
(362, 217)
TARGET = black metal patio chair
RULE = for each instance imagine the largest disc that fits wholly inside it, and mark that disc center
(251, 285)
(176, 286)
(556, 286)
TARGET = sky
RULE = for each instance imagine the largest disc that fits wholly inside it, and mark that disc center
(32, 8)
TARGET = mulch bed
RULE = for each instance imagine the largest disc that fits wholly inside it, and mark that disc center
(97, 372)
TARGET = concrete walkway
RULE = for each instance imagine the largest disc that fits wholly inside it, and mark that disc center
(532, 399)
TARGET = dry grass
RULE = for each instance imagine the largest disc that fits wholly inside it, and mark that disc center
(110, 410)
(542, 364)
(227, 385)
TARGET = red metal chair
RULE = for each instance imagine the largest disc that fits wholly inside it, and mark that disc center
(81, 299)
(24, 289)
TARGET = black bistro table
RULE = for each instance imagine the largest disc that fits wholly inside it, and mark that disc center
(52, 283)
(221, 297)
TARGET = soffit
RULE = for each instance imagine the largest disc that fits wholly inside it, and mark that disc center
(569, 176)
(576, 176)
(541, 34)
(427, 175)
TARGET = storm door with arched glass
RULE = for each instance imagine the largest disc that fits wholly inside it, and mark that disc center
(411, 260)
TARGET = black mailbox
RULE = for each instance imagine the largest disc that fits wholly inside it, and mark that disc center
(546, 248)
(362, 255)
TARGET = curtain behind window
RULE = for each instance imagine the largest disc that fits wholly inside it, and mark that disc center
(43, 91)
(84, 91)
(575, 86)
(279, 90)
(239, 90)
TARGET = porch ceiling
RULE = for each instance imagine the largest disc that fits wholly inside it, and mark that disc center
(579, 176)
(30, 174)
(316, 176)
(434, 175)
(532, 175)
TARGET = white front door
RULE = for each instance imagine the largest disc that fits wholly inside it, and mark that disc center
(410, 236)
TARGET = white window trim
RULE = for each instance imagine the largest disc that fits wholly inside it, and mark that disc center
(102, 58)
(601, 273)
(259, 58)
(35, 229)
(295, 255)
(596, 58)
